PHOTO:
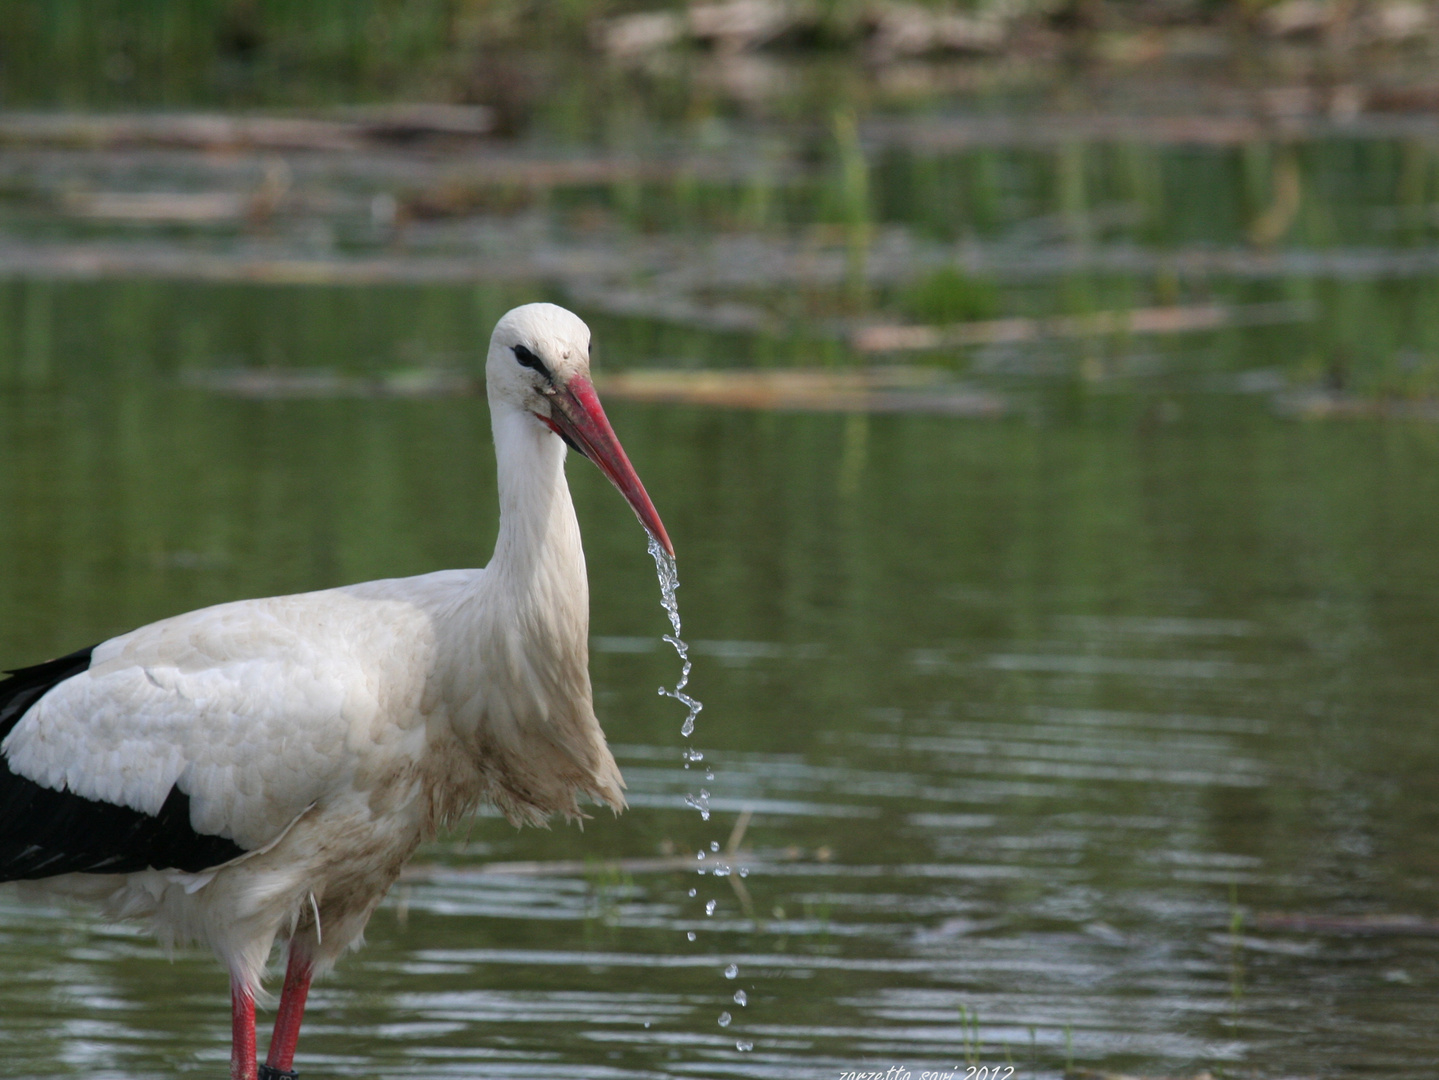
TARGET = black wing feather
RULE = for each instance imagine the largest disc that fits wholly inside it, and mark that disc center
(44, 832)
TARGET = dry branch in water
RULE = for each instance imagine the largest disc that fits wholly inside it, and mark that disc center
(1161, 320)
(356, 130)
(883, 389)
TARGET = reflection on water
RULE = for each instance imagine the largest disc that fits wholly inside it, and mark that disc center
(1034, 716)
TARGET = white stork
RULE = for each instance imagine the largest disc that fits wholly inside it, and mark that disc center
(264, 768)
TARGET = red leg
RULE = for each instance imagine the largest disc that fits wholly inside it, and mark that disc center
(242, 1049)
(292, 1011)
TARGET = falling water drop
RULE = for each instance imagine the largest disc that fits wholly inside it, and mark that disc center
(702, 804)
(724, 1019)
(714, 845)
(732, 971)
(692, 893)
(743, 1045)
(690, 935)
(741, 998)
(709, 907)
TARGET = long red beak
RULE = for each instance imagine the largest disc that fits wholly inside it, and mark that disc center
(577, 417)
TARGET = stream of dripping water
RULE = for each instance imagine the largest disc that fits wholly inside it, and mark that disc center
(669, 581)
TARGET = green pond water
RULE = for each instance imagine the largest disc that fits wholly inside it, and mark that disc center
(1036, 717)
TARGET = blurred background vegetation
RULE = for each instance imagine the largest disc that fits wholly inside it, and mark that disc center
(793, 172)
(242, 53)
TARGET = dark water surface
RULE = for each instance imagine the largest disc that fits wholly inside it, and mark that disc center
(1037, 718)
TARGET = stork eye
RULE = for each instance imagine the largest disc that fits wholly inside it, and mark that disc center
(530, 360)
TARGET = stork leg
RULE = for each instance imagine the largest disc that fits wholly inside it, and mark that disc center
(287, 1019)
(242, 1017)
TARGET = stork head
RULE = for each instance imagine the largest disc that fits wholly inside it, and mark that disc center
(539, 364)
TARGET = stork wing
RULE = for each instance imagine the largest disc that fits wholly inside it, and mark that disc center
(45, 832)
(195, 739)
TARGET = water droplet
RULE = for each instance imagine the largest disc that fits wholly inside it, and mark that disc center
(709, 907)
(690, 935)
(709, 774)
(741, 998)
(743, 1045)
(732, 971)
(702, 804)
(744, 871)
(647, 1024)
(714, 845)
(692, 892)
(724, 1019)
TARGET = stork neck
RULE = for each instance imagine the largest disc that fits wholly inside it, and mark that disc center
(538, 546)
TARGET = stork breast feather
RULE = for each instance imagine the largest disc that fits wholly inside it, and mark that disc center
(253, 743)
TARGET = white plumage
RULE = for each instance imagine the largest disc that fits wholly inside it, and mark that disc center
(319, 738)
